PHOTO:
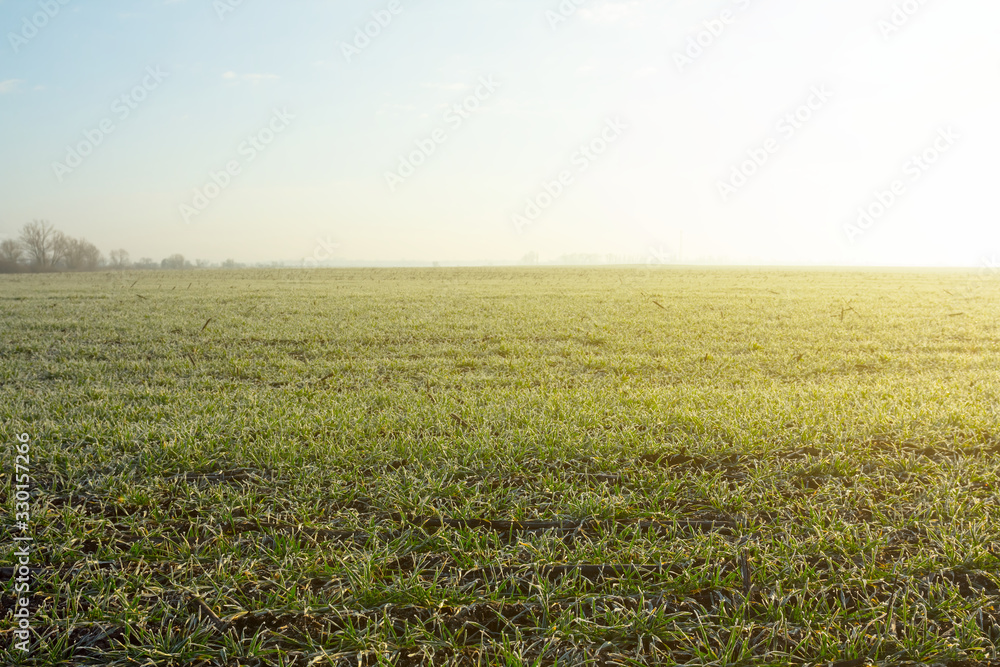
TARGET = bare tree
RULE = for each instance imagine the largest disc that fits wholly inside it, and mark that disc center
(61, 248)
(77, 254)
(174, 262)
(11, 251)
(39, 238)
(119, 259)
(91, 258)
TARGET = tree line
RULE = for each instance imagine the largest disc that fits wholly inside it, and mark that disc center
(40, 247)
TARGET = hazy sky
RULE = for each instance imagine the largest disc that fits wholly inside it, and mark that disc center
(486, 129)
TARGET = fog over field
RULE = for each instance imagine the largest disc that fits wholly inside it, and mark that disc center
(736, 131)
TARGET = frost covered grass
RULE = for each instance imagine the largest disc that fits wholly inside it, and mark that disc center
(506, 466)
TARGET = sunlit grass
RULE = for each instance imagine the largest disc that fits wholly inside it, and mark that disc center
(331, 462)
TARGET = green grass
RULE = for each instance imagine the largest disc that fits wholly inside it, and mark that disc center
(425, 466)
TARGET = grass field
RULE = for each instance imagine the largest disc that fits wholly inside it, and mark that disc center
(499, 466)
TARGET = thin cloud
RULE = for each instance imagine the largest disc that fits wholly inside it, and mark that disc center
(8, 85)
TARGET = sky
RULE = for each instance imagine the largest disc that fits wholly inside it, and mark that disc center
(837, 132)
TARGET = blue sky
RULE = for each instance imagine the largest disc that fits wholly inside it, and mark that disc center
(848, 132)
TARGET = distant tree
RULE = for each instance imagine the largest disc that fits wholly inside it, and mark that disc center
(91, 257)
(119, 259)
(11, 251)
(39, 239)
(60, 250)
(174, 262)
(146, 263)
(76, 254)
(231, 264)
(202, 263)
(580, 258)
(530, 259)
